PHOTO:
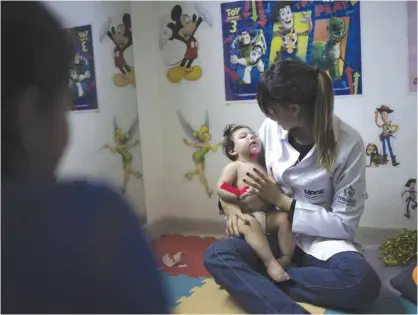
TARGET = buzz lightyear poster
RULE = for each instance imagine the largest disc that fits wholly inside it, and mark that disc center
(323, 34)
(82, 75)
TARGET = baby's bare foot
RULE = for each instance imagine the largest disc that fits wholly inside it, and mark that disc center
(276, 271)
(284, 261)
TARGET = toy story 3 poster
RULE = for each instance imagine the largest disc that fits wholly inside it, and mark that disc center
(82, 77)
(324, 34)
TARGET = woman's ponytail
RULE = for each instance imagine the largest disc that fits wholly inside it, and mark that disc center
(323, 122)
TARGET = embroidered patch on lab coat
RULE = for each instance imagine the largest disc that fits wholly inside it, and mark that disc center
(347, 199)
(314, 195)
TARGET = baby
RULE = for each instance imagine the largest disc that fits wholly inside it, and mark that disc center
(243, 147)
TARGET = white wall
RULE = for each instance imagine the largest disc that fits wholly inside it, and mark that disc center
(91, 130)
(166, 158)
(144, 24)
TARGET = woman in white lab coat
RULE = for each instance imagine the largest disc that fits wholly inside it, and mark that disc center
(319, 162)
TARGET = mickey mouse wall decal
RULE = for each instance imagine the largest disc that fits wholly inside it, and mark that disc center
(121, 36)
(183, 27)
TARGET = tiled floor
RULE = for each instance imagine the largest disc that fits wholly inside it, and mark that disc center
(193, 291)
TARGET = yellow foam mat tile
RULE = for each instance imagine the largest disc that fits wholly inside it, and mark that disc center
(312, 308)
(210, 299)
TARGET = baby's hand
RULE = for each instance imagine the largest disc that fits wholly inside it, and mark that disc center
(249, 192)
(244, 196)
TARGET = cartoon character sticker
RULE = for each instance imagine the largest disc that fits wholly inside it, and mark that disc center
(79, 72)
(247, 50)
(409, 195)
(183, 28)
(375, 157)
(388, 131)
(288, 31)
(336, 44)
(200, 140)
(121, 36)
(328, 55)
(123, 142)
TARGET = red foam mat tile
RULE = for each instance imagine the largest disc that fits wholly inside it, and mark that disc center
(193, 248)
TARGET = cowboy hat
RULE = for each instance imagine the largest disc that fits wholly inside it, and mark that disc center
(384, 108)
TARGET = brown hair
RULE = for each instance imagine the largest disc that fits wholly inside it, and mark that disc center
(292, 82)
(228, 142)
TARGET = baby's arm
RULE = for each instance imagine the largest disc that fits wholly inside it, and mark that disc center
(226, 191)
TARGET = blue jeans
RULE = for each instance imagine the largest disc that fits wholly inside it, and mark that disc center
(386, 141)
(345, 281)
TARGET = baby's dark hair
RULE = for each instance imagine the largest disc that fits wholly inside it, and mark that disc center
(228, 143)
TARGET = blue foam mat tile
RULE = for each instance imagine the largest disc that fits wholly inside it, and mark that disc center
(409, 307)
(179, 286)
(393, 305)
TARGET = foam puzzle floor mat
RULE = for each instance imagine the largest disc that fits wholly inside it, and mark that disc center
(191, 290)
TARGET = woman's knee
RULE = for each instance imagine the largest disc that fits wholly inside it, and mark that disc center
(370, 286)
(209, 257)
(227, 250)
(364, 293)
(215, 251)
(366, 284)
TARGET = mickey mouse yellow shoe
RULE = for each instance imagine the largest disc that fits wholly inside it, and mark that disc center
(120, 80)
(194, 73)
(130, 76)
(176, 74)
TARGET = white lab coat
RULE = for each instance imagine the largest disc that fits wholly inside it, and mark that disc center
(328, 206)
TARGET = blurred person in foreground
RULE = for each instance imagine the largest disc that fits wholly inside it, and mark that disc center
(66, 247)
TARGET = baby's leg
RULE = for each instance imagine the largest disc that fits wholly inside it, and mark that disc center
(277, 222)
(261, 218)
(255, 236)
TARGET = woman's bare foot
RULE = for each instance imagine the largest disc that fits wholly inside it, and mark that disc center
(276, 271)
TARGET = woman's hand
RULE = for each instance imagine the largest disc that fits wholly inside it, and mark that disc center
(233, 214)
(264, 187)
(232, 223)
